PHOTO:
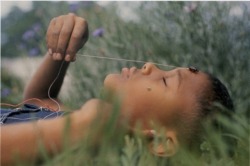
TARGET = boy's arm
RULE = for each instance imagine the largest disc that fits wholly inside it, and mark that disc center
(66, 34)
(20, 142)
(47, 72)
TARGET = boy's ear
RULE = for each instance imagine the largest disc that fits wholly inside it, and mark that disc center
(165, 147)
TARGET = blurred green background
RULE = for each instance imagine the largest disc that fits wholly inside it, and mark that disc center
(213, 36)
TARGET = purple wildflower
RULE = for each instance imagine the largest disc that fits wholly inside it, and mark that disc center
(34, 52)
(36, 27)
(98, 32)
(5, 92)
(28, 35)
(73, 7)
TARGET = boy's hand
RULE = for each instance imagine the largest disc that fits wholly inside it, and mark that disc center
(66, 34)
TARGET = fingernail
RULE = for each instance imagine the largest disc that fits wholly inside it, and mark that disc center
(67, 58)
(58, 56)
(50, 51)
(54, 56)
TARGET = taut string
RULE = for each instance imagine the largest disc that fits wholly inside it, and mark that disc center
(122, 59)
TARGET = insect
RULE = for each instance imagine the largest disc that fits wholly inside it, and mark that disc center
(193, 69)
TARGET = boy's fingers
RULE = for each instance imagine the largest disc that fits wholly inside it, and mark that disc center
(65, 34)
(80, 45)
(78, 38)
(54, 34)
(48, 34)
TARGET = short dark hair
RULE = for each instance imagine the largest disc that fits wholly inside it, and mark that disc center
(212, 100)
(219, 94)
(217, 101)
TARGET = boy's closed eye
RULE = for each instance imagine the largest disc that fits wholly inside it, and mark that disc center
(164, 81)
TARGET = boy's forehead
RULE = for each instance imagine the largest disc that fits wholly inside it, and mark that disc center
(188, 71)
(190, 76)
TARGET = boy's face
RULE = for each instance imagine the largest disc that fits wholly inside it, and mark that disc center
(150, 94)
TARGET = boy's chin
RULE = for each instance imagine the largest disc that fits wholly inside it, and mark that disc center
(109, 95)
(113, 82)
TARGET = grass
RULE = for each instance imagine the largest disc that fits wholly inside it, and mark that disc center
(208, 35)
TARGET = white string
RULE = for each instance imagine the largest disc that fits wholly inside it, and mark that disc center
(58, 105)
(122, 59)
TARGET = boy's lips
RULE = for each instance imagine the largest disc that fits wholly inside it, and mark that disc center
(126, 72)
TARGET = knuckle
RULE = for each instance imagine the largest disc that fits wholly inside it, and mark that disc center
(71, 14)
(55, 33)
(60, 17)
(65, 32)
(60, 50)
(53, 20)
(82, 22)
(71, 51)
(77, 35)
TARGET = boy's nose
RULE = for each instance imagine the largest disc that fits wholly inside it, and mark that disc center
(148, 68)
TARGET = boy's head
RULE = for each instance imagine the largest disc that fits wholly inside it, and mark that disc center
(177, 99)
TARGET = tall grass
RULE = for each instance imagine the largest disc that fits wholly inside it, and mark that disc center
(208, 35)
